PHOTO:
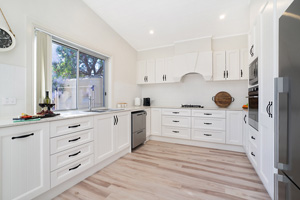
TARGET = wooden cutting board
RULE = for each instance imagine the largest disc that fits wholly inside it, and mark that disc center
(223, 99)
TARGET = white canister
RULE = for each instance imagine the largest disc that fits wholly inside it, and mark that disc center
(137, 101)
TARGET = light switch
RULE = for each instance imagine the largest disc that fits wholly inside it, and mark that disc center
(9, 101)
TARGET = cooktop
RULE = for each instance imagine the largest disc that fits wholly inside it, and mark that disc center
(191, 106)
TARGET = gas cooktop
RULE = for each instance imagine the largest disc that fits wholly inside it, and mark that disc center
(191, 106)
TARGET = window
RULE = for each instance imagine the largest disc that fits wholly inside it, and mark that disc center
(76, 75)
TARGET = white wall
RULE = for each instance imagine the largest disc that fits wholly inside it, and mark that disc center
(71, 20)
(195, 90)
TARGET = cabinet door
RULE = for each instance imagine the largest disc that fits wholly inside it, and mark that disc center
(245, 131)
(155, 121)
(252, 44)
(160, 70)
(234, 133)
(219, 65)
(103, 137)
(204, 64)
(244, 65)
(233, 65)
(148, 123)
(25, 161)
(150, 75)
(169, 70)
(122, 131)
(141, 71)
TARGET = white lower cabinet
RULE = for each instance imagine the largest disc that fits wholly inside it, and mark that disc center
(148, 123)
(245, 131)
(254, 148)
(234, 134)
(25, 166)
(155, 121)
(122, 129)
(209, 123)
(176, 132)
(208, 135)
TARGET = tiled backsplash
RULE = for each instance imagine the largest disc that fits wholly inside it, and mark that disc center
(12, 85)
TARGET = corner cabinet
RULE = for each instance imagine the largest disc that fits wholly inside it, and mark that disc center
(156, 121)
(234, 134)
(25, 161)
(112, 134)
(146, 71)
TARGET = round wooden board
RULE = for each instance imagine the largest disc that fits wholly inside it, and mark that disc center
(223, 99)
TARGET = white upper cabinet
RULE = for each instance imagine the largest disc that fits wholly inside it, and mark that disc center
(146, 71)
(232, 65)
(204, 64)
(219, 65)
(244, 64)
(227, 65)
(165, 70)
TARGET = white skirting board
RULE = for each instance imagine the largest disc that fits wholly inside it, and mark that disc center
(198, 143)
(50, 194)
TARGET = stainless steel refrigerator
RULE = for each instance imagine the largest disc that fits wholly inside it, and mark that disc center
(287, 104)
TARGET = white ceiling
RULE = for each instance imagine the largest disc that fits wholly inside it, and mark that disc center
(172, 20)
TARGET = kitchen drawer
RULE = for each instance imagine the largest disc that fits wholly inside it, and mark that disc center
(176, 132)
(208, 135)
(208, 123)
(176, 121)
(176, 112)
(209, 113)
(63, 127)
(253, 155)
(66, 157)
(254, 137)
(71, 140)
(71, 170)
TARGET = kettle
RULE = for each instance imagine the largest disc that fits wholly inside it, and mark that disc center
(137, 101)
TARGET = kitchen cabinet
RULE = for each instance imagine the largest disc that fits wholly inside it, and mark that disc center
(25, 161)
(165, 70)
(204, 64)
(104, 137)
(226, 65)
(148, 123)
(245, 131)
(122, 131)
(146, 71)
(252, 46)
(244, 65)
(155, 121)
(234, 128)
(254, 154)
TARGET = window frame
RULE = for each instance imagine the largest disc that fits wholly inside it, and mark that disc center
(79, 50)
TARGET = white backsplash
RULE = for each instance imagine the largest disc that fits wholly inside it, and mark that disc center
(12, 85)
(193, 89)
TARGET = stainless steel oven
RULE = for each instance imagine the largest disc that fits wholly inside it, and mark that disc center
(253, 72)
(253, 107)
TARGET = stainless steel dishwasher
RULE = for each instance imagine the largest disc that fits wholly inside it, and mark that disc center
(138, 128)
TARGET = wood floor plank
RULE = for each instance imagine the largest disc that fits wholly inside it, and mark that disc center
(159, 170)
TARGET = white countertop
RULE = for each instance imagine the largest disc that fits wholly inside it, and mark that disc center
(8, 122)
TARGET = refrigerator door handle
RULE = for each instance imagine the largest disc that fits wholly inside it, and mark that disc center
(280, 187)
(281, 122)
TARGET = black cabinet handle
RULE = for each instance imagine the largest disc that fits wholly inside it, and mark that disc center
(175, 112)
(270, 114)
(207, 123)
(227, 73)
(207, 134)
(75, 139)
(207, 114)
(22, 136)
(117, 119)
(75, 167)
(252, 154)
(251, 51)
(144, 78)
(224, 74)
(241, 73)
(75, 126)
(253, 138)
(245, 119)
(175, 131)
(175, 121)
(75, 154)
(165, 77)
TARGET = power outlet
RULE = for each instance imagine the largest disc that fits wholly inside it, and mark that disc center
(9, 101)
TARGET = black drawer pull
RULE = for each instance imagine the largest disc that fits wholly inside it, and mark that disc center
(208, 134)
(175, 112)
(175, 131)
(252, 154)
(175, 121)
(207, 123)
(207, 114)
(75, 167)
(75, 126)
(22, 136)
(75, 154)
(253, 138)
(75, 139)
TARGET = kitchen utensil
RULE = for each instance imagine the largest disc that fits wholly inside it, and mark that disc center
(223, 99)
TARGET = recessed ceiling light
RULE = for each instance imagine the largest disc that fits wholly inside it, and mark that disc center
(222, 16)
(151, 32)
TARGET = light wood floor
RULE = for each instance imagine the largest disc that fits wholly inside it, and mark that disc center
(160, 170)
